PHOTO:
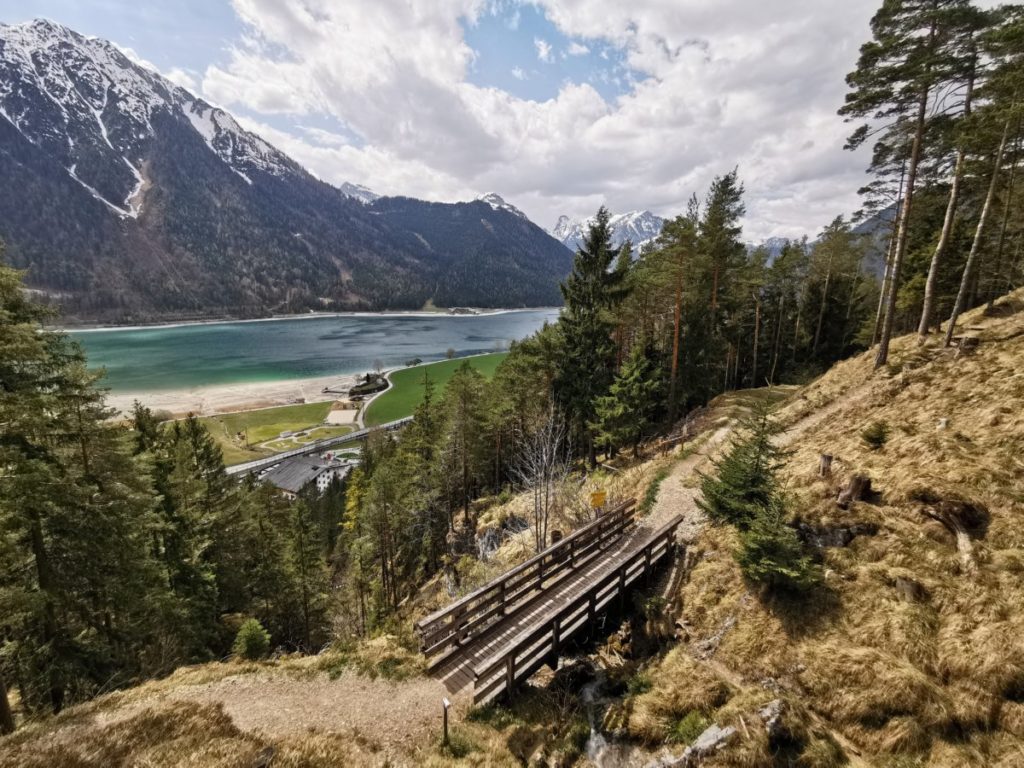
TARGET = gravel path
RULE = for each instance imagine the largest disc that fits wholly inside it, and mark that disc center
(393, 717)
(675, 496)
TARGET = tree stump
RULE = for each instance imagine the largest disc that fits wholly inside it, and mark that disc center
(825, 465)
(858, 488)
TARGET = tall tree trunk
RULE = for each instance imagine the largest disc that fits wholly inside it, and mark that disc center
(6, 716)
(778, 339)
(882, 357)
(993, 288)
(883, 295)
(824, 301)
(47, 587)
(676, 322)
(757, 333)
(928, 306)
(972, 257)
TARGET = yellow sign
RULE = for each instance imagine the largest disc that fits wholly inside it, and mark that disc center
(598, 498)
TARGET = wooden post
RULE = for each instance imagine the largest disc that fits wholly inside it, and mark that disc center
(825, 465)
(510, 671)
(647, 566)
(501, 598)
(445, 704)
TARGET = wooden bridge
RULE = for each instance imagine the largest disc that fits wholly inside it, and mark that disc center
(503, 632)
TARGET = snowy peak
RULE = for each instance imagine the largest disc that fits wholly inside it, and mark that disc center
(639, 227)
(358, 192)
(496, 202)
(93, 110)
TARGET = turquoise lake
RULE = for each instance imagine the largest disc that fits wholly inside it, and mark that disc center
(184, 356)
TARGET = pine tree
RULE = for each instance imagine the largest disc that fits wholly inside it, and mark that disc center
(586, 367)
(628, 410)
(745, 480)
(897, 76)
(771, 553)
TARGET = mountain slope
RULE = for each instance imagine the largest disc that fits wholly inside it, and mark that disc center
(639, 227)
(910, 654)
(128, 198)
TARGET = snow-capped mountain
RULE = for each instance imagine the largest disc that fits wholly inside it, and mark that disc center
(130, 198)
(93, 110)
(496, 202)
(639, 227)
(359, 192)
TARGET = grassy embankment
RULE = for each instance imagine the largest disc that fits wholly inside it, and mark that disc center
(262, 426)
(407, 385)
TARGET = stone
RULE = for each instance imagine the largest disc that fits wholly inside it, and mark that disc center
(771, 714)
(713, 739)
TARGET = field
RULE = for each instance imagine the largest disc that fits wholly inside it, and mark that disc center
(407, 386)
(263, 425)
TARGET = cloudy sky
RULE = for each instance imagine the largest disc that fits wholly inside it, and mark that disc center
(557, 105)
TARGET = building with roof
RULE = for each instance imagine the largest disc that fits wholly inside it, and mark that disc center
(295, 473)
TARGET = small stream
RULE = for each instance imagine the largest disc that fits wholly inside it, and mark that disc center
(602, 749)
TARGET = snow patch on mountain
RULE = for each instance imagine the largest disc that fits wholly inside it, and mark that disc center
(498, 203)
(91, 107)
(359, 192)
(639, 227)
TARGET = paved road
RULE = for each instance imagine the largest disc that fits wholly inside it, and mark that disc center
(315, 447)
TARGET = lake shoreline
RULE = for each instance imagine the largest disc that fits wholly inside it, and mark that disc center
(159, 325)
(208, 400)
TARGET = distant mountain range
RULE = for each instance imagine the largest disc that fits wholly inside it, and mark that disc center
(639, 227)
(128, 198)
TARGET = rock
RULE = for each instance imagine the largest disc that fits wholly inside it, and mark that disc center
(841, 536)
(943, 424)
(710, 741)
(771, 714)
(910, 591)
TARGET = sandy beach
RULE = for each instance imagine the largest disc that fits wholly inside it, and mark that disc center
(222, 398)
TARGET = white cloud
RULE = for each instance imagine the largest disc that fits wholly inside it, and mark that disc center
(518, 73)
(577, 49)
(183, 77)
(543, 49)
(737, 82)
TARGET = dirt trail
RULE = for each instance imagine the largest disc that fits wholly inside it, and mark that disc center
(390, 716)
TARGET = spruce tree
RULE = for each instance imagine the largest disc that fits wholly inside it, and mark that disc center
(586, 368)
(772, 554)
(627, 411)
(746, 478)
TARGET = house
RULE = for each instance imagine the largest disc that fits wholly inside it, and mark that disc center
(294, 474)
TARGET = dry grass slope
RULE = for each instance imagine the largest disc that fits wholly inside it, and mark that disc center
(913, 653)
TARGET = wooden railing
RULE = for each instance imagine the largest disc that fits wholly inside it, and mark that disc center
(468, 616)
(530, 650)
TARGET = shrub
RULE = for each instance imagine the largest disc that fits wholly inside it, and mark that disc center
(687, 729)
(639, 683)
(252, 641)
(875, 435)
(771, 553)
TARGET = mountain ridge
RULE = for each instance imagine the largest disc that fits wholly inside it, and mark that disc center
(639, 227)
(170, 209)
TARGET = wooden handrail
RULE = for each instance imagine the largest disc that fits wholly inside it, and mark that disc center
(451, 625)
(565, 621)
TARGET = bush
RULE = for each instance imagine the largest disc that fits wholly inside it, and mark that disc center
(252, 641)
(771, 553)
(875, 435)
(686, 730)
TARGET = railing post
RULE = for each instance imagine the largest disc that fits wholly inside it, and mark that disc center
(647, 565)
(501, 598)
(622, 587)
(510, 671)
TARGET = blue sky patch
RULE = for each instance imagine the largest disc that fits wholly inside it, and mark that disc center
(520, 51)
